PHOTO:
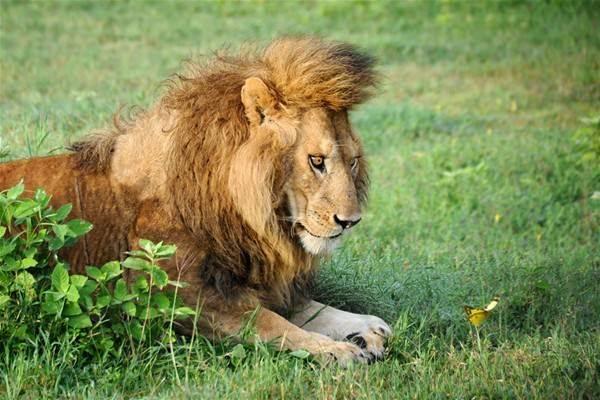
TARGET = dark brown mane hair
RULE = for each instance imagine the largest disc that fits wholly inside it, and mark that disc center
(211, 127)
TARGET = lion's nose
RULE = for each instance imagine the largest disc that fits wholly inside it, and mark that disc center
(346, 222)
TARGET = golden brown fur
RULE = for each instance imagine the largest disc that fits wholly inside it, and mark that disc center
(219, 166)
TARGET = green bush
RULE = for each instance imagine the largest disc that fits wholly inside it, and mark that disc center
(38, 296)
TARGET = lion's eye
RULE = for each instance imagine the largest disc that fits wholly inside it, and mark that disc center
(317, 162)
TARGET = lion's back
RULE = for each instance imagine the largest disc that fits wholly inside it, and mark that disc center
(91, 195)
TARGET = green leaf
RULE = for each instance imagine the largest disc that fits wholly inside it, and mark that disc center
(51, 305)
(5, 279)
(63, 212)
(120, 291)
(86, 300)
(160, 277)
(300, 353)
(28, 262)
(14, 192)
(10, 264)
(145, 312)
(161, 301)
(166, 251)
(41, 197)
(147, 245)
(137, 253)
(88, 288)
(137, 264)
(60, 231)
(54, 296)
(26, 282)
(32, 251)
(79, 227)
(184, 311)
(136, 329)
(96, 274)
(26, 209)
(80, 321)
(55, 243)
(71, 309)
(60, 278)
(141, 284)
(6, 247)
(129, 308)
(102, 301)
(2, 231)
(111, 269)
(72, 293)
(78, 280)
(3, 300)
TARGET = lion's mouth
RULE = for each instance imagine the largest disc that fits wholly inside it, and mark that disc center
(317, 236)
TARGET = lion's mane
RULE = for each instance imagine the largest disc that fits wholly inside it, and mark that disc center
(243, 259)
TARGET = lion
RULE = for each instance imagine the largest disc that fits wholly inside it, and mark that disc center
(248, 163)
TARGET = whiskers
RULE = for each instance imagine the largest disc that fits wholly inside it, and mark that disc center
(313, 244)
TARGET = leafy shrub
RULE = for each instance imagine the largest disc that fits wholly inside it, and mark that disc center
(38, 296)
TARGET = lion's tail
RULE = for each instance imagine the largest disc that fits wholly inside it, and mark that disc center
(94, 151)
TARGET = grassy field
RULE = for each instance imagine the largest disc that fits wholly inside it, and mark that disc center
(483, 180)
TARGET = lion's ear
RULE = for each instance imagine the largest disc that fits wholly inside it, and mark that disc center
(257, 99)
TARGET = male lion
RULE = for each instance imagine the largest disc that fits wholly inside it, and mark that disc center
(250, 166)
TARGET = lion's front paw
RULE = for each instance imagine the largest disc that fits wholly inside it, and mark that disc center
(366, 331)
(344, 353)
(372, 337)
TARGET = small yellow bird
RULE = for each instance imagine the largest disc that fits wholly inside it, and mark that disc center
(477, 316)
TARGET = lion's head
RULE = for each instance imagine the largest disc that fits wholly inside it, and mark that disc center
(299, 111)
(324, 179)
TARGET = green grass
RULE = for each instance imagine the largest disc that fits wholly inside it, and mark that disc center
(479, 187)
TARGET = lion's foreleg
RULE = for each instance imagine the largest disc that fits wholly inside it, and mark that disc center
(367, 331)
(271, 327)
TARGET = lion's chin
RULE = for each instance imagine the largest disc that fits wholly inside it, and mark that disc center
(316, 245)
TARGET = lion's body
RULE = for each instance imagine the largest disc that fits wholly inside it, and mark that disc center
(218, 166)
